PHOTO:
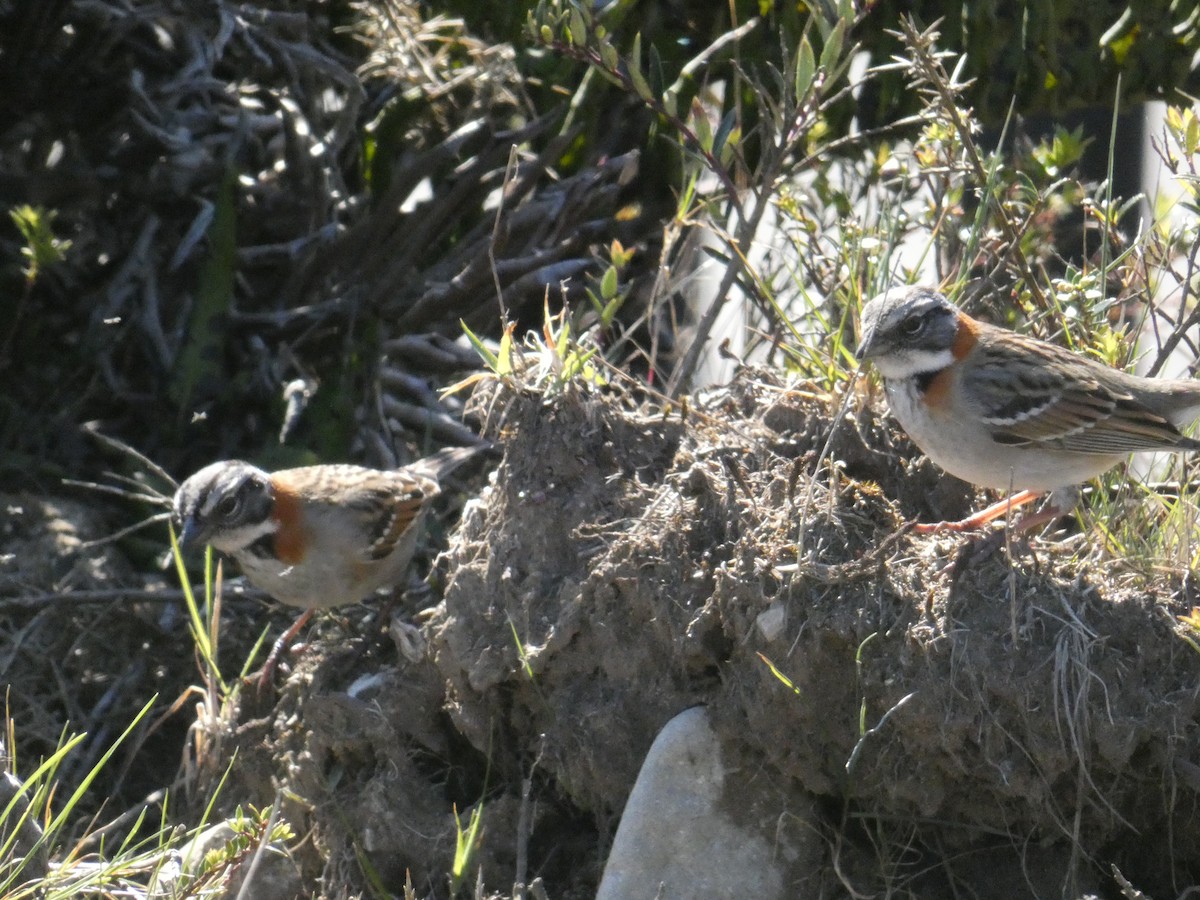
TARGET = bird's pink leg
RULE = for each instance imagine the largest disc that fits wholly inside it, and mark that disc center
(995, 511)
(268, 670)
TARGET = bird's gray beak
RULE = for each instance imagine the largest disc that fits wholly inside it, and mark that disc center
(864, 345)
(189, 533)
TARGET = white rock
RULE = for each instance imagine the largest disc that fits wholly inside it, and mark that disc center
(692, 828)
(771, 621)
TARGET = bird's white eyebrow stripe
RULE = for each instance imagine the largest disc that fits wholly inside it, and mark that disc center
(201, 504)
(210, 497)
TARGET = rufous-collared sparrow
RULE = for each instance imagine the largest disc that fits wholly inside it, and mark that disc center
(317, 536)
(1006, 411)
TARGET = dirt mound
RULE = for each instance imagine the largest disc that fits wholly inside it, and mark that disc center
(1013, 726)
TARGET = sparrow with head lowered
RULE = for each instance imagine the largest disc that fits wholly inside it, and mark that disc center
(317, 536)
(1006, 411)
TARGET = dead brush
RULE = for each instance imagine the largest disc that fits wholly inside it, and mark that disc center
(1074, 708)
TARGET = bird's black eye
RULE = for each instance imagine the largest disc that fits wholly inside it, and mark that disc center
(913, 325)
(227, 505)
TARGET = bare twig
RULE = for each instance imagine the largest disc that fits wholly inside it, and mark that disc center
(93, 429)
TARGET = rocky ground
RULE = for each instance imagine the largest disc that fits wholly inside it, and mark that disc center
(963, 723)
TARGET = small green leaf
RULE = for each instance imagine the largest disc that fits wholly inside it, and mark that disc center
(806, 68)
(655, 72)
(727, 149)
(635, 71)
(608, 55)
(608, 283)
(610, 78)
(832, 50)
(489, 358)
(563, 340)
(576, 363)
(597, 305)
(610, 310)
(670, 104)
(578, 28)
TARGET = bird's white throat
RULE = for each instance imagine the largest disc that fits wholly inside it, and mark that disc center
(907, 363)
(232, 540)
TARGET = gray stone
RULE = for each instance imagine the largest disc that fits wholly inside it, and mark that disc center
(695, 828)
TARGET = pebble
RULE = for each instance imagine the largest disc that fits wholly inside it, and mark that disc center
(694, 828)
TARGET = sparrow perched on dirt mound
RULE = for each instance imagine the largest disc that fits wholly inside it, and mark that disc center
(1002, 410)
(317, 536)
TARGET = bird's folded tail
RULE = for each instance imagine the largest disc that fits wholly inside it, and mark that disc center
(443, 462)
